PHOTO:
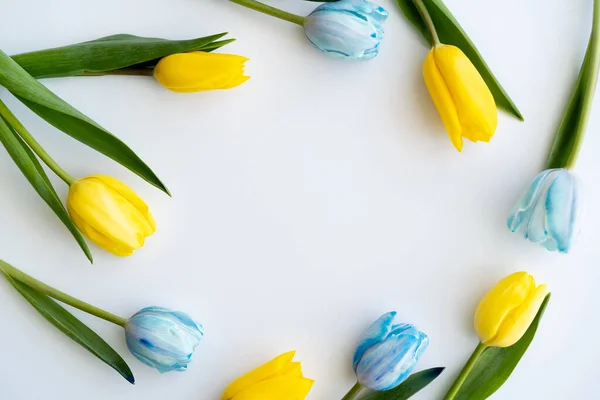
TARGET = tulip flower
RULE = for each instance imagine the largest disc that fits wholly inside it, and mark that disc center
(162, 338)
(503, 317)
(158, 337)
(461, 96)
(348, 29)
(386, 355)
(200, 71)
(548, 212)
(110, 214)
(278, 379)
(550, 209)
(506, 312)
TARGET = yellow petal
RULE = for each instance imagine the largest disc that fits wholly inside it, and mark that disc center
(279, 388)
(442, 98)
(507, 310)
(271, 369)
(131, 197)
(199, 71)
(107, 217)
(518, 321)
(474, 102)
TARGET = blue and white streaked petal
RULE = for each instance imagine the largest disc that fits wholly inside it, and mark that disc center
(162, 338)
(350, 29)
(548, 212)
(388, 353)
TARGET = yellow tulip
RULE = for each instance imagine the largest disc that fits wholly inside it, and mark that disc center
(279, 379)
(110, 214)
(460, 94)
(505, 313)
(199, 71)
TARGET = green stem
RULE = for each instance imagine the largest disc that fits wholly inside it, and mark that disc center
(465, 371)
(272, 11)
(428, 21)
(10, 118)
(356, 389)
(124, 71)
(589, 87)
(58, 295)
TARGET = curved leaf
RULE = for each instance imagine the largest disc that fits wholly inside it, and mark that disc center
(496, 364)
(109, 53)
(450, 32)
(414, 384)
(72, 327)
(63, 116)
(35, 174)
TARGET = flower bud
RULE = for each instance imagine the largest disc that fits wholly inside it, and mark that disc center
(199, 71)
(388, 353)
(278, 379)
(461, 96)
(110, 214)
(505, 313)
(162, 338)
(549, 211)
(350, 29)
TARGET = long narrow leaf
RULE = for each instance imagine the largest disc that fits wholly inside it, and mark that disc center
(414, 384)
(566, 136)
(35, 174)
(496, 364)
(73, 328)
(109, 53)
(63, 116)
(450, 32)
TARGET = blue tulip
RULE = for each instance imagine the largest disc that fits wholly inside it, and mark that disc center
(388, 353)
(548, 212)
(350, 29)
(162, 338)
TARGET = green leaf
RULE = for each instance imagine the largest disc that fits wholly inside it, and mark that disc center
(72, 327)
(35, 174)
(109, 53)
(568, 134)
(414, 384)
(496, 364)
(450, 32)
(63, 116)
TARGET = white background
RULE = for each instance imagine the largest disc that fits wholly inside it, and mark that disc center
(306, 203)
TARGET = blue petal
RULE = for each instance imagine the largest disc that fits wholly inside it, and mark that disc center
(521, 212)
(562, 204)
(376, 333)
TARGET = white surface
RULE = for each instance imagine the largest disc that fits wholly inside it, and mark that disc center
(306, 203)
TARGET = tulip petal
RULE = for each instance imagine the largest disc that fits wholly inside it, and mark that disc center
(363, 8)
(519, 215)
(442, 98)
(376, 333)
(266, 371)
(278, 388)
(507, 295)
(118, 249)
(131, 197)
(516, 323)
(562, 207)
(387, 364)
